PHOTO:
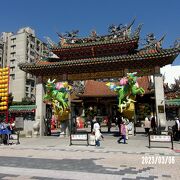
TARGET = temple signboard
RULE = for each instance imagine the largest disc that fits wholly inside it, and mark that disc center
(95, 75)
(86, 76)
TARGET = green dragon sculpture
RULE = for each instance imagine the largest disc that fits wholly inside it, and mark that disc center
(127, 90)
(57, 95)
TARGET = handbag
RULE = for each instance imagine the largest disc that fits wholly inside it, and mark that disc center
(92, 140)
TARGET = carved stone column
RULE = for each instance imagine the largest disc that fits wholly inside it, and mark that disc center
(160, 101)
(41, 107)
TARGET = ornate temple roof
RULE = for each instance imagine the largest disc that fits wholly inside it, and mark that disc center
(143, 59)
(115, 33)
(106, 40)
(103, 56)
(120, 40)
(97, 49)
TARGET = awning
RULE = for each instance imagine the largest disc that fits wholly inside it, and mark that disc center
(22, 108)
(173, 103)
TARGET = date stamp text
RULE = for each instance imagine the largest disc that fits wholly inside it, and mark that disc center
(158, 160)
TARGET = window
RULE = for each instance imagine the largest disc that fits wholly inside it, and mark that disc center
(12, 61)
(27, 82)
(32, 46)
(12, 76)
(13, 47)
(13, 55)
(12, 69)
(13, 40)
(31, 60)
(32, 39)
(32, 83)
(32, 53)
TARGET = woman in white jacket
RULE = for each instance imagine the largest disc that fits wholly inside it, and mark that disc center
(147, 125)
(96, 130)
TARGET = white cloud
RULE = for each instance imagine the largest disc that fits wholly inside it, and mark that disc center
(170, 72)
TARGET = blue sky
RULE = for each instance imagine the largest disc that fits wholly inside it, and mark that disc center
(48, 17)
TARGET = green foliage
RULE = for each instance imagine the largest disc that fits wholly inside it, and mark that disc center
(176, 86)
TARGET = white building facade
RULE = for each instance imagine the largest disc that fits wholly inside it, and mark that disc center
(20, 48)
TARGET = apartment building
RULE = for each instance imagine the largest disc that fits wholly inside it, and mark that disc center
(21, 47)
(1, 52)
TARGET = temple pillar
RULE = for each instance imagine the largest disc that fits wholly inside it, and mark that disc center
(159, 100)
(41, 107)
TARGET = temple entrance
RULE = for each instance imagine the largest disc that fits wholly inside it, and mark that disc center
(103, 57)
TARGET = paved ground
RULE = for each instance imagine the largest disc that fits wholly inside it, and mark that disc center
(52, 158)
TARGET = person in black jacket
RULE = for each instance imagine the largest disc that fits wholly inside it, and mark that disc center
(177, 129)
(153, 124)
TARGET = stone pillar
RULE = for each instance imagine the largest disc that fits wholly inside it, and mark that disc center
(41, 107)
(68, 130)
(160, 102)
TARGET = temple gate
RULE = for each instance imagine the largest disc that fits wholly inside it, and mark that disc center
(97, 57)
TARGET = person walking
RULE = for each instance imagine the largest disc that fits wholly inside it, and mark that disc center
(119, 122)
(123, 132)
(153, 124)
(147, 125)
(177, 129)
(97, 132)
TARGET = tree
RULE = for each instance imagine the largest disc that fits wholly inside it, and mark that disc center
(176, 86)
(172, 91)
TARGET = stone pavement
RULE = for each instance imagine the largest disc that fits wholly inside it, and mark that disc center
(52, 158)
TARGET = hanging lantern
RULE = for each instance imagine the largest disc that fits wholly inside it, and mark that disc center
(4, 82)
